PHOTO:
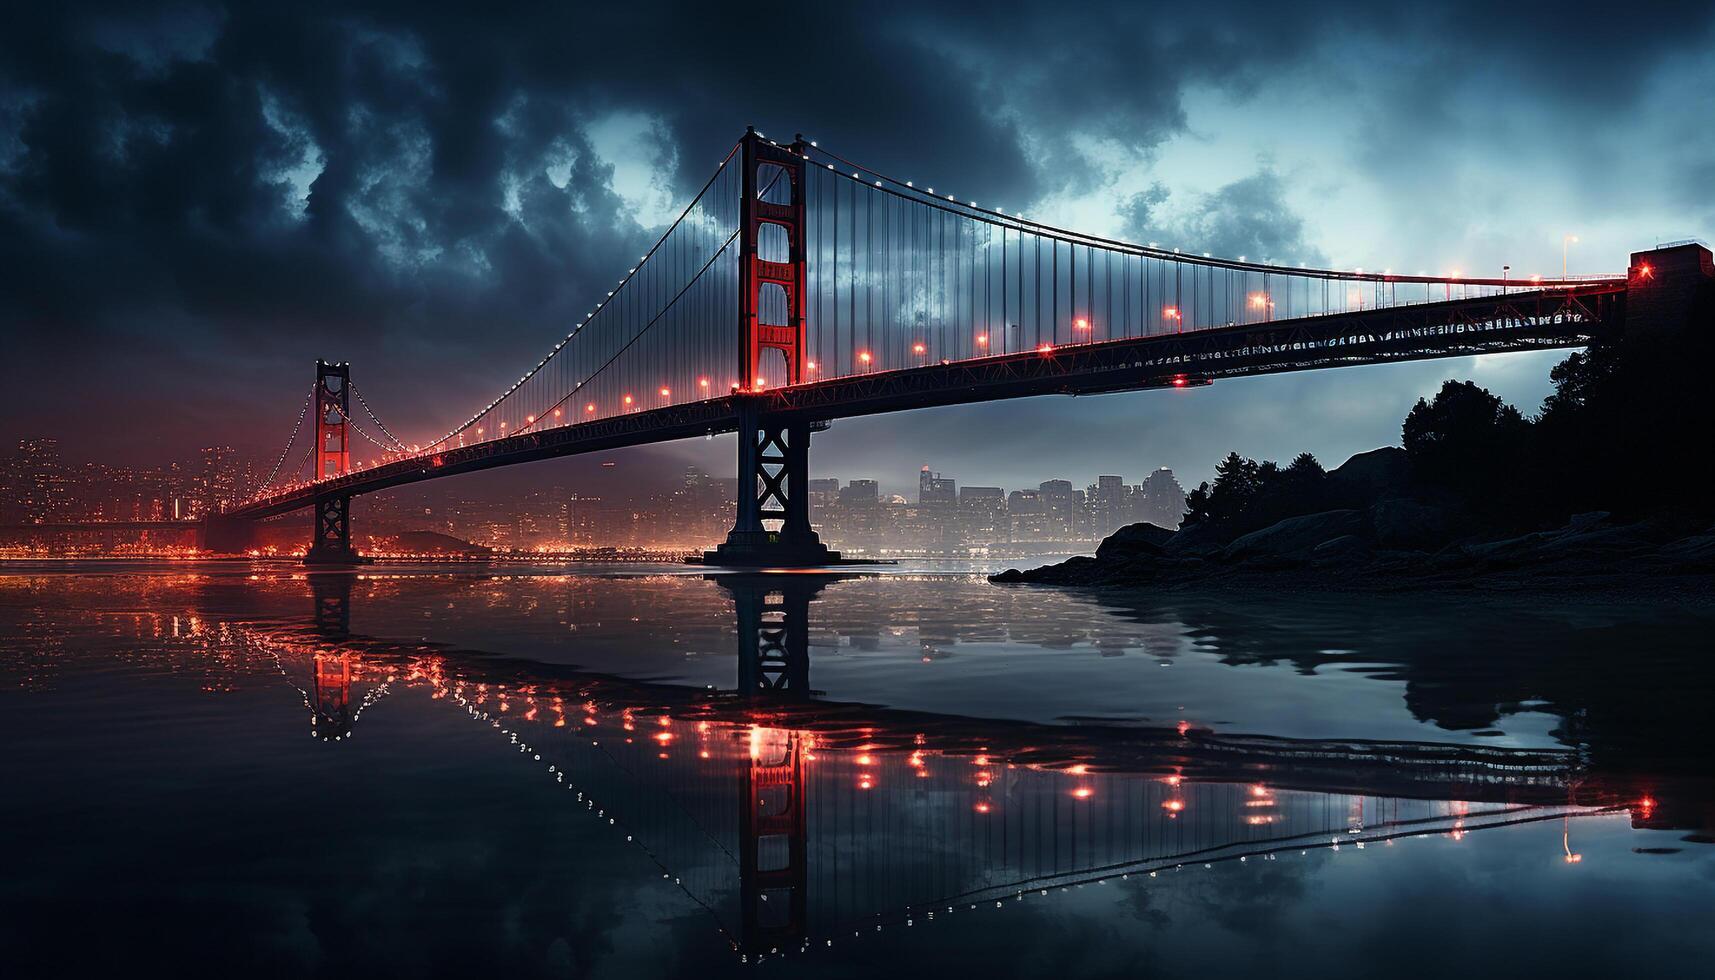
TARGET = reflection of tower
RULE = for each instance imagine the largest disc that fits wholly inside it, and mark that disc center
(773, 868)
(333, 695)
(773, 616)
(331, 593)
(331, 688)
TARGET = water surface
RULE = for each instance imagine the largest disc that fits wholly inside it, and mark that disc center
(630, 770)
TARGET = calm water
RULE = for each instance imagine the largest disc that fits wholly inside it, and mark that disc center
(220, 770)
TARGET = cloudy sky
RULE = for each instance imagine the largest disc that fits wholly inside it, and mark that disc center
(197, 200)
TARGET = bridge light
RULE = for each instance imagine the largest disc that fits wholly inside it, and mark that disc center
(556, 413)
(1081, 323)
(1180, 381)
(983, 807)
(1083, 792)
(479, 431)
(1173, 806)
(982, 340)
(1644, 271)
(529, 420)
(703, 383)
(1045, 349)
(666, 392)
(1171, 312)
(809, 365)
(918, 348)
(589, 409)
(863, 357)
(628, 399)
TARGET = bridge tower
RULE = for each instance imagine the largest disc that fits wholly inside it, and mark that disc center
(331, 543)
(773, 453)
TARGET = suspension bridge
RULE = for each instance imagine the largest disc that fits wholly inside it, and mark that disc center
(798, 288)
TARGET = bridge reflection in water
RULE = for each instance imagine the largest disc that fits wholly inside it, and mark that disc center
(799, 822)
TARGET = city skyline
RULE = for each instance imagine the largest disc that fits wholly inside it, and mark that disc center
(610, 507)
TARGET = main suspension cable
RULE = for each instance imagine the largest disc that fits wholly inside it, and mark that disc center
(302, 414)
(397, 444)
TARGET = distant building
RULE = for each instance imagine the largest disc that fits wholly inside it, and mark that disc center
(1026, 517)
(38, 482)
(219, 479)
(1059, 509)
(1110, 505)
(982, 515)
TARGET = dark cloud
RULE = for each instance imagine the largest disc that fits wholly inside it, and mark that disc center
(196, 199)
(1247, 218)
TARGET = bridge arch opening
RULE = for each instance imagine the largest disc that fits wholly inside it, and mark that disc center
(773, 183)
(773, 244)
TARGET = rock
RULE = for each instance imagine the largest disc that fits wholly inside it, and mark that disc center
(1139, 538)
(1697, 551)
(1345, 549)
(1078, 570)
(1295, 536)
(1585, 537)
(1368, 477)
(1398, 522)
(1194, 539)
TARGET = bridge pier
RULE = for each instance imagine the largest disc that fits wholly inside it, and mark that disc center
(1662, 288)
(331, 544)
(773, 485)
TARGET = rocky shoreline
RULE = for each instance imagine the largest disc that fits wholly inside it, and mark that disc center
(1348, 549)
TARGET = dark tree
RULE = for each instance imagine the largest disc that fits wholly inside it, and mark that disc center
(1466, 439)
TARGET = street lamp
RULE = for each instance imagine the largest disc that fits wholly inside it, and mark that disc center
(1566, 244)
(1504, 270)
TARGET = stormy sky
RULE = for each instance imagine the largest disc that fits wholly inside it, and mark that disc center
(197, 200)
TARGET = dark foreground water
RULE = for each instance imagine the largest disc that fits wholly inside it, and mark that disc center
(226, 771)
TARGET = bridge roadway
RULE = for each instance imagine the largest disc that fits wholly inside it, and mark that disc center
(1526, 320)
